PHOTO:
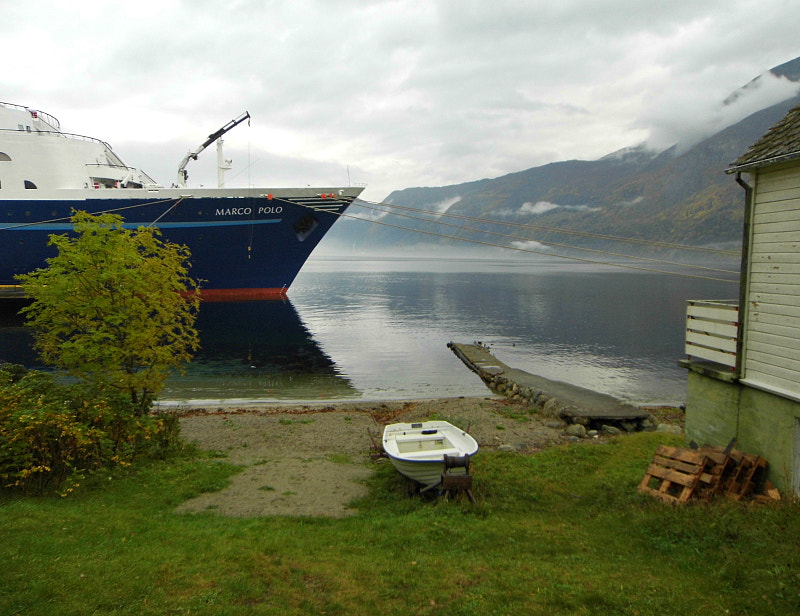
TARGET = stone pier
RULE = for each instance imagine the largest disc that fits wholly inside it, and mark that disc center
(572, 404)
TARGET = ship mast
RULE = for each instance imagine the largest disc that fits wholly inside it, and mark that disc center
(182, 173)
(223, 165)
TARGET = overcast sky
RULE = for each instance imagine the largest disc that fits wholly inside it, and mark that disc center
(403, 93)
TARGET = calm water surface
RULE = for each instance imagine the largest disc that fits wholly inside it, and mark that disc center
(364, 329)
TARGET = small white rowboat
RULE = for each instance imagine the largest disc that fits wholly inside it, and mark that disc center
(417, 450)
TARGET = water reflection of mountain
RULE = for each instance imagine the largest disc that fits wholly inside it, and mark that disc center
(257, 350)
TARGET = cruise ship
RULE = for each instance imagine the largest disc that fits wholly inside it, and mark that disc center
(245, 243)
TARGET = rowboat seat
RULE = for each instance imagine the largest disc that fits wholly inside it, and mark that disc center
(417, 437)
(434, 454)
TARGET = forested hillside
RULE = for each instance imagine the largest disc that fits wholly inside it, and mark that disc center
(680, 195)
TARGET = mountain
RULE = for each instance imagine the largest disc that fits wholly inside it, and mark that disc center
(680, 195)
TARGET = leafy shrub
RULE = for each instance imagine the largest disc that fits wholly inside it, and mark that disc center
(51, 432)
(115, 307)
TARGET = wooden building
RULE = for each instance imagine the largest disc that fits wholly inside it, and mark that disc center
(744, 354)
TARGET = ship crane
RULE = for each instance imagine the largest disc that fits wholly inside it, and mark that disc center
(182, 173)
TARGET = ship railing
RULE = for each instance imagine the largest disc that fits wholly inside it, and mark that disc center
(57, 133)
(120, 172)
(41, 115)
(712, 331)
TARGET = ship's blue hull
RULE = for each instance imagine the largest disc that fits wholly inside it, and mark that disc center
(240, 247)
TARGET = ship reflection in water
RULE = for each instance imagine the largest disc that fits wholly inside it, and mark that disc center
(258, 350)
(16, 341)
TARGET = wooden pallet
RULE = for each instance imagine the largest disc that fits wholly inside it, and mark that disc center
(675, 474)
(742, 473)
(719, 465)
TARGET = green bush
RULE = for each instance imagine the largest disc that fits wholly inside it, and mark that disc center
(51, 433)
(115, 307)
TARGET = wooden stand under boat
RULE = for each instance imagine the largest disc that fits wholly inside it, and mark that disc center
(419, 451)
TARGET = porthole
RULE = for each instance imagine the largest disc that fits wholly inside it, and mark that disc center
(29, 184)
(4, 157)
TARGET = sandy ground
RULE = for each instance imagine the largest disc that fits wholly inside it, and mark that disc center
(310, 460)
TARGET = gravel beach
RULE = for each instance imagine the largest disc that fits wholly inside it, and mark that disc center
(309, 460)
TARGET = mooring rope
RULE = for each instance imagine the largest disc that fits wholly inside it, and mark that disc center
(167, 211)
(110, 211)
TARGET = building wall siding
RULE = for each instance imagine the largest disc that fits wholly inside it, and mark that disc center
(771, 348)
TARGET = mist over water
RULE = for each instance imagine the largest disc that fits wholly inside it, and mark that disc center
(358, 328)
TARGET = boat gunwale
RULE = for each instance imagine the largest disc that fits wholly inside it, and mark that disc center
(463, 443)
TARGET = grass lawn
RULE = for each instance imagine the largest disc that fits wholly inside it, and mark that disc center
(559, 532)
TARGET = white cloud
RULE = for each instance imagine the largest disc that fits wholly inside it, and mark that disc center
(405, 93)
(442, 206)
(542, 207)
(531, 245)
(689, 117)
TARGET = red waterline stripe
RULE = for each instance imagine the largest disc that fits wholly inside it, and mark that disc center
(238, 295)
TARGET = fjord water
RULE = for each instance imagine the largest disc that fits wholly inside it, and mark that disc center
(366, 329)
(378, 329)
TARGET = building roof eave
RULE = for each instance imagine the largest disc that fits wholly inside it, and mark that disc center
(764, 162)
